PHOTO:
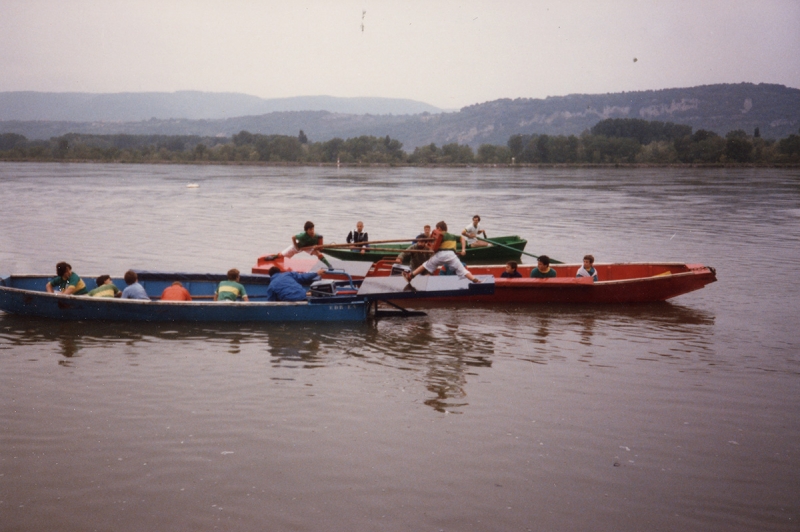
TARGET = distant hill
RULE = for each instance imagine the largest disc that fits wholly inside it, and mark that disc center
(774, 109)
(192, 105)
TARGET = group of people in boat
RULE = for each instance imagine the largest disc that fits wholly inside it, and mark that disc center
(544, 271)
(443, 245)
(284, 286)
(68, 282)
(429, 251)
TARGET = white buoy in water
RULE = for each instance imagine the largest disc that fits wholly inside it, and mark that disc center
(192, 185)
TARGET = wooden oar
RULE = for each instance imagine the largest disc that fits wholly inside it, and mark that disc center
(359, 244)
(552, 261)
(398, 250)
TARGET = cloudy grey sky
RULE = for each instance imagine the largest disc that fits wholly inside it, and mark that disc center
(445, 53)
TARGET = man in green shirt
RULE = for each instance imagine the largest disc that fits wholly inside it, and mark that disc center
(231, 289)
(307, 241)
(66, 281)
(543, 269)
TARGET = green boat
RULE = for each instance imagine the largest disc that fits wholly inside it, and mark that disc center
(511, 249)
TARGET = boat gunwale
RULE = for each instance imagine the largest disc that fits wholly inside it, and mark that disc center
(349, 299)
(580, 280)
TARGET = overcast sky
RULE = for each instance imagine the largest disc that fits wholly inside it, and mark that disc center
(445, 53)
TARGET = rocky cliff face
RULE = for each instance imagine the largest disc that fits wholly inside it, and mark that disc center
(774, 109)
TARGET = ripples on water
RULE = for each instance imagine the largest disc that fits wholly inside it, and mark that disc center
(680, 415)
(438, 350)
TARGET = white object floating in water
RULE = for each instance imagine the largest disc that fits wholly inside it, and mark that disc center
(192, 185)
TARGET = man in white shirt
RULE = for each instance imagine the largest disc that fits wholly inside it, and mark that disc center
(472, 231)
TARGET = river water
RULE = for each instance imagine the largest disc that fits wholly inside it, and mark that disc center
(676, 416)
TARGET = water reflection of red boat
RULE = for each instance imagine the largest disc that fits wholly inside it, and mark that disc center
(619, 283)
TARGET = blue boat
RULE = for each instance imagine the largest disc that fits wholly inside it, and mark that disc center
(25, 295)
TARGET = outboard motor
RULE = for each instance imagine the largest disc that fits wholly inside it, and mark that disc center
(398, 269)
(324, 287)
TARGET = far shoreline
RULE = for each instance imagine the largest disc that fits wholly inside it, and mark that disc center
(279, 164)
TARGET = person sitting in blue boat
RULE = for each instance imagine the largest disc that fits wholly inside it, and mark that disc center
(176, 292)
(587, 270)
(66, 281)
(511, 270)
(358, 236)
(472, 231)
(231, 289)
(287, 286)
(308, 241)
(543, 269)
(134, 290)
(105, 288)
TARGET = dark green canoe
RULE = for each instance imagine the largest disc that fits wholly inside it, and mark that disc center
(512, 249)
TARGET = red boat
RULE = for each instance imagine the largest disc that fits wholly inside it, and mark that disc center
(306, 263)
(301, 263)
(618, 283)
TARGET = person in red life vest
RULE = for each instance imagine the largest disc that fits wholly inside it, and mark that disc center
(444, 253)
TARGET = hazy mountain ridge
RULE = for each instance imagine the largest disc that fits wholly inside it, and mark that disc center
(191, 105)
(774, 109)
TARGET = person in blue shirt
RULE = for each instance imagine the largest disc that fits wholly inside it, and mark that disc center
(134, 290)
(587, 270)
(286, 286)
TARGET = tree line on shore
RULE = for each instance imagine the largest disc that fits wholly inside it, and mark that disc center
(612, 141)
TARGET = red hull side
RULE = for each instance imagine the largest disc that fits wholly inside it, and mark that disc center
(620, 283)
(643, 290)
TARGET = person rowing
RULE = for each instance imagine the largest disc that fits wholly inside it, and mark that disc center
(444, 253)
(472, 231)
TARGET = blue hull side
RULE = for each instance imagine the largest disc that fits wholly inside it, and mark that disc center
(42, 304)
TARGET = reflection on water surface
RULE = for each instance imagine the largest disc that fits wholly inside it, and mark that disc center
(320, 426)
(439, 350)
